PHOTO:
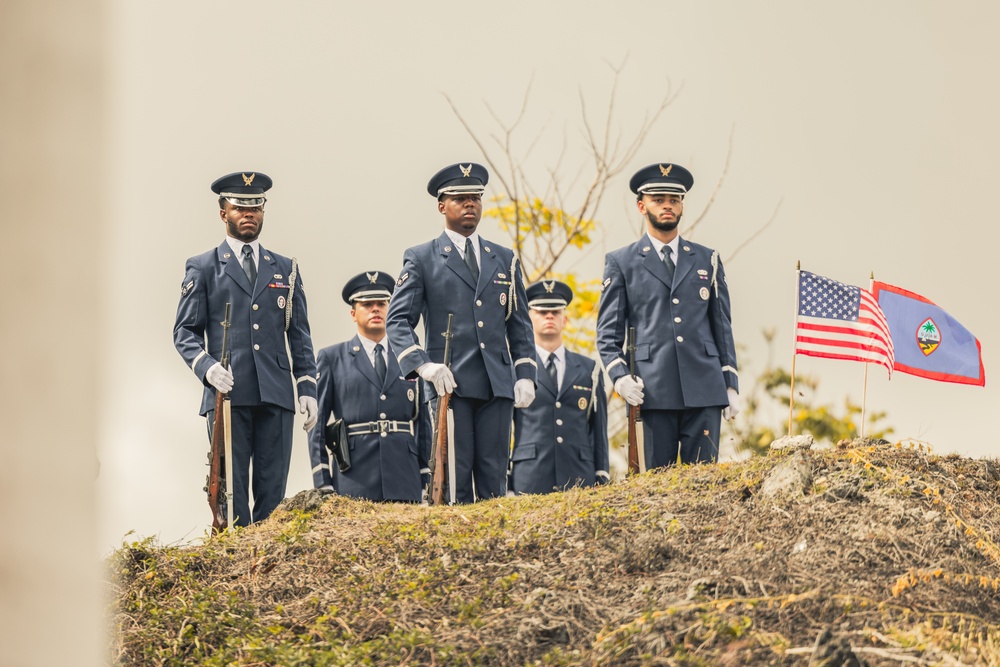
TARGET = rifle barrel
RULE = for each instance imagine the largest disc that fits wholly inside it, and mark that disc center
(635, 434)
(226, 323)
(439, 455)
(631, 351)
(448, 335)
(216, 474)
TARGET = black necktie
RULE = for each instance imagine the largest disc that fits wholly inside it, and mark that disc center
(470, 260)
(550, 366)
(379, 364)
(669, 263)
(248, 266)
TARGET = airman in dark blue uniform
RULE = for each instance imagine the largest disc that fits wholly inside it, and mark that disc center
(679, 305)
(361, 383)
(268, 311)
(561, 439)
(493, 351)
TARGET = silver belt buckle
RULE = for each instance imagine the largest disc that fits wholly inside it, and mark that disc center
(383, 425)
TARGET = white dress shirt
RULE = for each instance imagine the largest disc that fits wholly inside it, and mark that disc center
(237, 247)
(659, 246)
(459, 242)
(560, 362)
(369, 347)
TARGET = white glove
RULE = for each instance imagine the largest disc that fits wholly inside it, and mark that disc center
(524, 393)
(219, 377)
(629, 389)
(438, 375)
(310, 408)
(735, 405)
(425, 486)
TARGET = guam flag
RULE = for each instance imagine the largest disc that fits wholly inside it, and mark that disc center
(928, 341)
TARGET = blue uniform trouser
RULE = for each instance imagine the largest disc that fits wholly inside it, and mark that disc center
(263, 434)
(693, 432)
(482, 447)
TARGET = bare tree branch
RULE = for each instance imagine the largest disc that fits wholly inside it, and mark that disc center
(545, 225)
(757, 233)
(468, 128)
(718, 185)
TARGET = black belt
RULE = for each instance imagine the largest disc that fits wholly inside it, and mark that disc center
(381, 426)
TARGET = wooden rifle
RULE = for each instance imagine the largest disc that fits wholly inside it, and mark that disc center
(636, 443)
(439, 455)
(220, 454)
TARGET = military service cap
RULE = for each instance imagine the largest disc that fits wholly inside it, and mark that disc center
(374, 286)
(243, 188)
(662, 178)
(459, 179)
(549, 295)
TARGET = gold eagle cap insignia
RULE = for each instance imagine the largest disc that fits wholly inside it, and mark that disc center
(465, 170)
(372, 277)
(248, 180)
(549, 286)
(666, 170)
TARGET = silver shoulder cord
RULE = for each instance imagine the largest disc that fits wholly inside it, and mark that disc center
(593, 386)
(715, 271)
(416, 401)
(511, 292)
(292, 277)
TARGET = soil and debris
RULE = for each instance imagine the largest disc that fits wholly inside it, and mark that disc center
(870, 553)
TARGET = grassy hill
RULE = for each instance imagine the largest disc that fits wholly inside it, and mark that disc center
(882, 554)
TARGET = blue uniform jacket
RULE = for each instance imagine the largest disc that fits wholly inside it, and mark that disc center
(382, 467)
(258, 357)
(489, 316)
(562, 440)
(686, 355)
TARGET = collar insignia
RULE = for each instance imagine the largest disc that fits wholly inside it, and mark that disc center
(466, 170)
(666, 170)
(372, 277)
(248, 180)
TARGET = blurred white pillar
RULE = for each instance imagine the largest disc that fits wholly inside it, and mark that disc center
(52, 92)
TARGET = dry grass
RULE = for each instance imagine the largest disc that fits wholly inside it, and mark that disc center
(892, 552)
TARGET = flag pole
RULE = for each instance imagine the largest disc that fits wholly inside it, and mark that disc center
(864, 388)
(795, 321)
(864, 395)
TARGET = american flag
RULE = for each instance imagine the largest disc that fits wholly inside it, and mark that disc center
(838, 321)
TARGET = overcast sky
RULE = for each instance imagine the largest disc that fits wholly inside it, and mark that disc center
(873, 124)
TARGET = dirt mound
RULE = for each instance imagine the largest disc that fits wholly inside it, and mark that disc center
(882, 554)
